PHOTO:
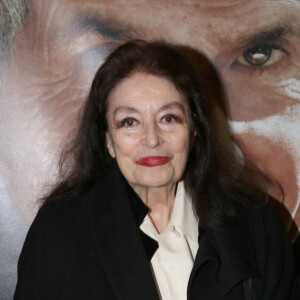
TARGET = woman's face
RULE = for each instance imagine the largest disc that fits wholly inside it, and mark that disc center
(148, 130)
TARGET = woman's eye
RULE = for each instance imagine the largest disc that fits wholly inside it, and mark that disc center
(261, 55)
(169, 118)
(128, 122)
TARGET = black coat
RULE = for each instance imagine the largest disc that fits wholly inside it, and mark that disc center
(91, 247)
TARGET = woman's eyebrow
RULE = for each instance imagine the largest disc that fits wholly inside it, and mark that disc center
(125, 108)
(164, 107)
(172, 105)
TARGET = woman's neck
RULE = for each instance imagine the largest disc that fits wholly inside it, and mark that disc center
(160, 201)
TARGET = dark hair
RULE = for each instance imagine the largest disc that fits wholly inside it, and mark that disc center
(213, 177)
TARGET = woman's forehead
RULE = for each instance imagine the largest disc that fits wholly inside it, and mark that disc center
(142, 90)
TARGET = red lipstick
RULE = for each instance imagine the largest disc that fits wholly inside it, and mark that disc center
(152, 161)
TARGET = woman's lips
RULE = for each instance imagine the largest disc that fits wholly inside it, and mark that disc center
(152, 161)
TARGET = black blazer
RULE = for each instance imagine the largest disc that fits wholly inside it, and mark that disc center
(91, 247)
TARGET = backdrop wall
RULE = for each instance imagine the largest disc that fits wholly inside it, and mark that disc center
(254, 45)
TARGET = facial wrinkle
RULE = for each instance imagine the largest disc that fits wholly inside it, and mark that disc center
(291, 87)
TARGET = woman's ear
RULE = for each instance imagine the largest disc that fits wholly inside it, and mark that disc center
(109, 145)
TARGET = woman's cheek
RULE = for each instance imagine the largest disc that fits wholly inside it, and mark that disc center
(180, 141)
(126, 142)
(167, 127)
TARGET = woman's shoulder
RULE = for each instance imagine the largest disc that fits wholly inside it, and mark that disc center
(256, 225)
(55, 224)
(273, 252)
(70, 214)
(263, 227)
(58, 241)
(262, 218)
(58, 213)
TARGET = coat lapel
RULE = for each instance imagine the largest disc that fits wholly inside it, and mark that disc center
(116, 213)
(118, 238)
(231, 255)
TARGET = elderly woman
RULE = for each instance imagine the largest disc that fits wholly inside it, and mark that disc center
(150, 206)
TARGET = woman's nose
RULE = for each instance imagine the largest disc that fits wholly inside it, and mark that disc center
(152, 138)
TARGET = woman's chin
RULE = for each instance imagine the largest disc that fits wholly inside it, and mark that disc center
(148, 180)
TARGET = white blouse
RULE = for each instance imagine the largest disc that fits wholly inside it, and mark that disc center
(178, 244)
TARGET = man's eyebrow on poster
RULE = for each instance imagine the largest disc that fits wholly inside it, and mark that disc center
(108, 34)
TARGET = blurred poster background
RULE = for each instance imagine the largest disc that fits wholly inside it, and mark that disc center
(50, 50)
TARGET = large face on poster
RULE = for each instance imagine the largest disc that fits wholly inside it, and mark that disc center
(255, 45)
